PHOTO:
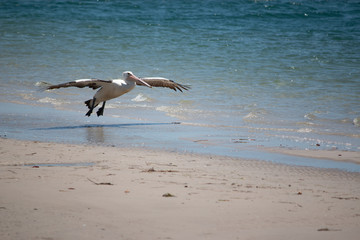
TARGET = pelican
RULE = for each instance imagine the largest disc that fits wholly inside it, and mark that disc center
(110, 89)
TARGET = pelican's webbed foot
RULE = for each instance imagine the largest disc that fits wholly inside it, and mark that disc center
(90, 107)
(100, 112)
(89, 113)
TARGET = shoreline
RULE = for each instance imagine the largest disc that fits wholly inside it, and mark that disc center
(70, 127)
(149, 194)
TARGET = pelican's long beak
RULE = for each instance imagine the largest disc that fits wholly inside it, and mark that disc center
(134, 78)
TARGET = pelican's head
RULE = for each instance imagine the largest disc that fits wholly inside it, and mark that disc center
(127, 75)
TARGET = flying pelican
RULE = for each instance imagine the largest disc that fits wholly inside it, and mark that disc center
(110, 89)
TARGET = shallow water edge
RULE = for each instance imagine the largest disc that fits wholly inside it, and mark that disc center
(24, 122)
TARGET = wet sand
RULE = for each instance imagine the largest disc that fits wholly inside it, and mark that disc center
(63, 191)
(333, 155)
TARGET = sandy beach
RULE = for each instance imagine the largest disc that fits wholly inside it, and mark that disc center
(63, 191)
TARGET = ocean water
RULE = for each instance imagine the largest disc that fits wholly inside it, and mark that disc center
(263, 73)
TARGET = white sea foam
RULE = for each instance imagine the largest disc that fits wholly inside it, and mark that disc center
(310, 116)
(183, 112)
(27, 96)
(112, 105)
(255, 115)
(304, 130)
(170, 111)
(53, 101)
(42, 84)
(356, 121)
(250, 116)
(141, 98)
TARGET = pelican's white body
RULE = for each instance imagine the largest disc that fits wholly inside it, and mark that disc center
(110, 91)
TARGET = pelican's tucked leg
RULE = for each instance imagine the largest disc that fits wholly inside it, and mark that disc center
(100, 112)
(91, 107)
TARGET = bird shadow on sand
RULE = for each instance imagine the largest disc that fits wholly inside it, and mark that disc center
(121, 125)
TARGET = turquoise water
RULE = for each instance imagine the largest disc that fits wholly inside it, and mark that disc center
(263, 73)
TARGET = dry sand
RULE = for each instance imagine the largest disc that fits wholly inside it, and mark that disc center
(147, 194)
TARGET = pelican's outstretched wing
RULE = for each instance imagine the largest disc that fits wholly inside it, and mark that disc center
(91, 83)
(163, 82)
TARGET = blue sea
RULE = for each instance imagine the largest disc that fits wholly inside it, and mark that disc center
(264, 74)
